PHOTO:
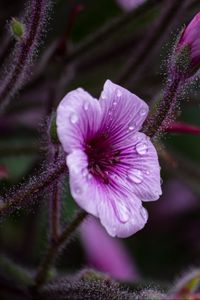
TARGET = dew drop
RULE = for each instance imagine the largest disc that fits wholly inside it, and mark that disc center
(136, 176)
(141, 148)
(119, 93)
(78, 190)
(103, 95)
(143, 112)
(85, 172)
(89, 176)
(144, 213)
(114, 102)
(73, 118)
(147, 172)
(131, 127)
(122, 212)
(86, 105)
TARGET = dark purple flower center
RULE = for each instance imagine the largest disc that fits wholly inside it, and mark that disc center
(102, 157)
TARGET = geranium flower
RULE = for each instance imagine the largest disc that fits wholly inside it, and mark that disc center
(112, 166)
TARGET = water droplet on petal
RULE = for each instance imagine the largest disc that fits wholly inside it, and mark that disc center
(141, 148)
(86, 105)
(144, 213)
(73, 118)
(78, 190)
(147, 172)
(103, 95)
(114, 102)
(131, 127)
(119, 93)
(135, 175)
(122, 212)
(89, 176)
(143, 112)
(85, 172)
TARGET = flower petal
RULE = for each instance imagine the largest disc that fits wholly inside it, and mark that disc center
(83, 186)
(113, 211)
(120, 213)
(78, 118)
(144, 168)
(112, 258)
(123, 112)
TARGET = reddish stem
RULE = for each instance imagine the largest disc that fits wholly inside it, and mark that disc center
(181, 127)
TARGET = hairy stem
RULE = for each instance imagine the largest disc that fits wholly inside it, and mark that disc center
(17, 199)
(54, 249)
(24, 51)
(153, 124)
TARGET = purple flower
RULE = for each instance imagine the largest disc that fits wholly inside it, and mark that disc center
(112, 258)
(130, 4)
(190, 39)
(112, 166)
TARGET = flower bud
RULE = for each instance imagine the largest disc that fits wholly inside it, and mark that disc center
(17, 28)
(188, 48)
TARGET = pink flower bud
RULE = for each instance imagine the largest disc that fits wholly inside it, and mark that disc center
(190, 39)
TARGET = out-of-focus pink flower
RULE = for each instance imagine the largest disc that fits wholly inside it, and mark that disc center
(112, 166)
(178, 198)
(106, 254)
(129, 4)
(191, 38)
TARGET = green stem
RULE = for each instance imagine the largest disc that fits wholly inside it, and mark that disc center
(54, 204)
(17, 273)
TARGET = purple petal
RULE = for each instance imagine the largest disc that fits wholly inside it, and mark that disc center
(83, 185)
(123, 112)
(112, 258)
(121, 217)
(142, 168)
(120, 212)
(78, 118)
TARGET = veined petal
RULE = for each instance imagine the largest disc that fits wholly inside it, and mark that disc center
(113, 211)
(143, 168)
(121, 214)
(78, 118)
(83, 185)
(123, 112)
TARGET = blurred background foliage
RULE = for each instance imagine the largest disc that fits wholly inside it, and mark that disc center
(169, 243)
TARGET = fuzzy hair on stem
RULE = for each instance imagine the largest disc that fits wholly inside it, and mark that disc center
(23, 196)
(18, 69)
